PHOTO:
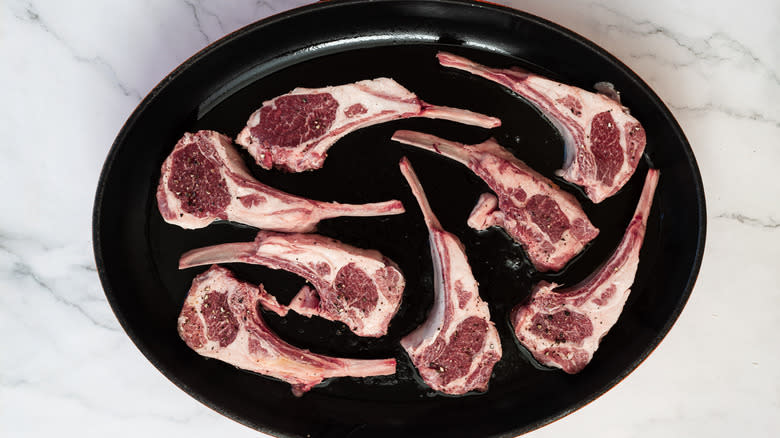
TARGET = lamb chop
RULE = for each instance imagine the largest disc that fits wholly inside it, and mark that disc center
(220, 319)
(563, 327)
(358, 287)
(603, 143)
(294, 131)
(546, 220)
(457, 346)
(205, 179)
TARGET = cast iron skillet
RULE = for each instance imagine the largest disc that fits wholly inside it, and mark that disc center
(342, 42)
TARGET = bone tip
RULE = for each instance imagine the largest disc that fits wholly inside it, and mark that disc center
(654, 173)
(386, 367)
(443, 56)
(184, 262)
(400, 135)
(398, 207)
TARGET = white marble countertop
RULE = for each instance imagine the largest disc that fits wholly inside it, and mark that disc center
(70, 76)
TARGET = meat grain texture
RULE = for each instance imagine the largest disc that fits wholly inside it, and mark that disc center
(563, 327)
(204, 179)
(359, 287)
(221, 319)
(457, 346)
(548, 222)
(293, 132)
(603, 141)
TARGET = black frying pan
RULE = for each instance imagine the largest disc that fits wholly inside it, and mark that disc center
(341, 42)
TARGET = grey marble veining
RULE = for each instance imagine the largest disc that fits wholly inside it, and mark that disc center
(70, 77)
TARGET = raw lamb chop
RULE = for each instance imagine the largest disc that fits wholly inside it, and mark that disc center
(220, 319)
(546, 220)
(358, 287)
(563, 327)
(294, 131)
(457, 346)
(603, 142)
(205, 179)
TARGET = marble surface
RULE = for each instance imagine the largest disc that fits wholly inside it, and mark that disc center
(70, 76)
